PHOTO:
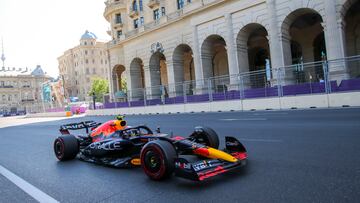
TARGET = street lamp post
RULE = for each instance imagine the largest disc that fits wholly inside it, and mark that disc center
(94, 97)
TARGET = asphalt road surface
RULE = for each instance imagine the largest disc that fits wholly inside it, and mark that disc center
(294, 156)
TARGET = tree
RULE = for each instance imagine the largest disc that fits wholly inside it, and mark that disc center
(100, 86)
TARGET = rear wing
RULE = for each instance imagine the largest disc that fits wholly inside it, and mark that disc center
(64, 129)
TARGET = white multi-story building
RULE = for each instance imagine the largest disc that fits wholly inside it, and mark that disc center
(79, 65)
(21, 89)
(160, 42)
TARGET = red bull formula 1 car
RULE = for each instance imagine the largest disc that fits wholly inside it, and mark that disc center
(115, 144)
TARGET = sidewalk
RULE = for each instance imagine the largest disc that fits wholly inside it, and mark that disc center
(21, 120)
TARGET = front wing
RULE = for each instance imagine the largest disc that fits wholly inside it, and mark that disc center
(203, 169)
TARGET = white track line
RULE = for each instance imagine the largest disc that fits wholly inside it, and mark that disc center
(35, 193)
(243, 119)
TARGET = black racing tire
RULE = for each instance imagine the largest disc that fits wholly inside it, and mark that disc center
(157, 159)
(66, 147)
(206, 136)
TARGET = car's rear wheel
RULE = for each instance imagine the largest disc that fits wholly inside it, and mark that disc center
(66, 147)
(157, 159)
(206, 136)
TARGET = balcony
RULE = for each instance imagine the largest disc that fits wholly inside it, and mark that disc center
(112, 6)
(153, 3)
(7, 86)
(133, 12)
(118, 24)
(27, 100)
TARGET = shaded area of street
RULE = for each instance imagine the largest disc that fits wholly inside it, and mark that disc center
(294, 156)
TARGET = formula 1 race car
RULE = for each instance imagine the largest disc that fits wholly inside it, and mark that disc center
(115, 144)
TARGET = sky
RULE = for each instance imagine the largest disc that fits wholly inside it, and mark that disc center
(37, 32)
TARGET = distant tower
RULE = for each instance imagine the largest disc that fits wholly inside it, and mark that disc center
(2, 55)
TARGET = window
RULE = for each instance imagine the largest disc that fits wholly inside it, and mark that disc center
(156, 14)
(163, 11)
(180, 4)
(86, 61)
(93, 61)
(118, 34)
(136, 23)
(86, 52)
(87, 79)
(101, 61)
(118, 18)
(94, 71)
(87, 71)
(134, 6)
(141, 5)
(85, 43)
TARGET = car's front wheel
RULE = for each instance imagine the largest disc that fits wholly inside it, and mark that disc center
(66, 147)
(157, 159)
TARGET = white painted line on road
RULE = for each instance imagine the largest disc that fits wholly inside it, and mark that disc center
(37, 194)
(243, 119)
(266, 114)
(259, 140)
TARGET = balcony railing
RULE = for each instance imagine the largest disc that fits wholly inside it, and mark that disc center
(171, 17)
(113, 6)
(153, 3)
(133, 12)
(7, 86)
(27, 100)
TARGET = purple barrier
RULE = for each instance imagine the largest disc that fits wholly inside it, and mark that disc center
(197, 98)
(152, 102)
(261, 92)
(349, 85)
(174, 100)
(116, 105)
(137, 103)
(233, 94)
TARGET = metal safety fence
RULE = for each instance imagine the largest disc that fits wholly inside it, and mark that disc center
(322, 77)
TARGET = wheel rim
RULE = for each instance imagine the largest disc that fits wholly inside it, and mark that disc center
(153, 162)
(59, 149)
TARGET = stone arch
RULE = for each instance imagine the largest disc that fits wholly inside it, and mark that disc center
(183, 61)
(117, 74)
(137, 79)
(301, 26)
(157, 75)
(253, 53)
(351, 21)
(214, 57)
(184, 68)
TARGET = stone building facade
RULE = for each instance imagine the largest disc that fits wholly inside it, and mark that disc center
(20, 89)
(79, 65)
(161, 42)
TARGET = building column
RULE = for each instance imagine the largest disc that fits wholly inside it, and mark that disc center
(335, 40)
(152, 74)
(231, 53)
(280, 50)
(111, 88)
(199, 73)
